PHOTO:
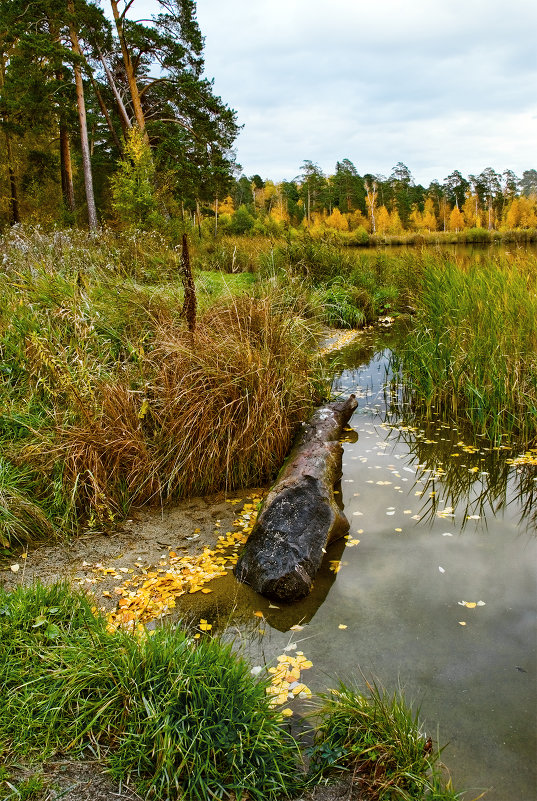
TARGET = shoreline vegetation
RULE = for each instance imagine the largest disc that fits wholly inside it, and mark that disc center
(110, 400)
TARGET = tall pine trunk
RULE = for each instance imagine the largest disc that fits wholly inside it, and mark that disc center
(129, 70)
(14, 196)
(66, 168)
(81, 105)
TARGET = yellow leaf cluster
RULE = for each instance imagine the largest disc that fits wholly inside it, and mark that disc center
(152, 594)
(285, 682)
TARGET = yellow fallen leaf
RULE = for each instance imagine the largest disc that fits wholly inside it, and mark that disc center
(462, 623)
(342, 626)
(258, 614)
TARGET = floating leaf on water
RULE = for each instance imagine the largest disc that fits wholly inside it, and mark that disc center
(462, 623)
(342, 626)
(447, 534)
(258, 614)
(273, 606)
(296, 627)
(441, 569)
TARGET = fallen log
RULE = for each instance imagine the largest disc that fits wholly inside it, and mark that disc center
(300, 515)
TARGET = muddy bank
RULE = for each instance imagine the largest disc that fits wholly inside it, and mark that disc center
(100, 562)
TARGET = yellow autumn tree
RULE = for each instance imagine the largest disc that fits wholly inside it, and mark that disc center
(522, 213)
(395, 225)
(337, 220)
(429, 217)
(358, 220)
(416, 219)
(471, 211)
(456, 219)
(226, 206)
(382, 216)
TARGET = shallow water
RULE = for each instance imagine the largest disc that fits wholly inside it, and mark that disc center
(438, 524)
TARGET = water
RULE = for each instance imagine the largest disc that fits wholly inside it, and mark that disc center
(439, 525)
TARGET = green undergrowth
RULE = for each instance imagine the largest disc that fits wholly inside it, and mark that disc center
(174, 717)
(177, 717)
(472, 352)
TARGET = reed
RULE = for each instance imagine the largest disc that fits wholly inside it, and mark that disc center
(377, 738)
(472, 353)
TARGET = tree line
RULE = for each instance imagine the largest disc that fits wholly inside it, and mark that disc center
(81, 92)
(378, 204)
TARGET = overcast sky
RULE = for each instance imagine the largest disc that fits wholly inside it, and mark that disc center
(437, 84)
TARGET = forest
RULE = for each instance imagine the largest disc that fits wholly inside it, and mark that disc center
(108, 119)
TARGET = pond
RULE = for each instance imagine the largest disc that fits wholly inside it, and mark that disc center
(434, 592)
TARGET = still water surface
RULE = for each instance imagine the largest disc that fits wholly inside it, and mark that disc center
(439, 523)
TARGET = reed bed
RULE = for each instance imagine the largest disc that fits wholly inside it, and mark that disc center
(472, 353)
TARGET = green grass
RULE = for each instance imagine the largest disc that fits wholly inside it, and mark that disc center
(378, 739)
(174, 717)
(177, 717)
(472, 351)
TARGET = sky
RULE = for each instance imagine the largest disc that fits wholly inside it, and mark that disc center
(439, 85)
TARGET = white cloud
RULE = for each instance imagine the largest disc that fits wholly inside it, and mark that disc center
(437, 84)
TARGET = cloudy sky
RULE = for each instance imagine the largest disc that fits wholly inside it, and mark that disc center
(437, 84)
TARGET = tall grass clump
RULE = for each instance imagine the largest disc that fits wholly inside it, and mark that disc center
(378, 739)
(175, 717)
(472, 353)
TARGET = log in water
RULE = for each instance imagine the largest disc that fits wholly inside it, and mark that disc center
(300, 515)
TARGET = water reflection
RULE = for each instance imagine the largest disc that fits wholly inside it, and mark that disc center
(454, 470)
(436, 590)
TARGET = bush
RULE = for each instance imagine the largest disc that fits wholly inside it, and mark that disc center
(242, 221)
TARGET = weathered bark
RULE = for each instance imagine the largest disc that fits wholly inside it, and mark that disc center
(300, 515)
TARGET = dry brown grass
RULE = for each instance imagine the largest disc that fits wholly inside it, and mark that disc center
(219, 411)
